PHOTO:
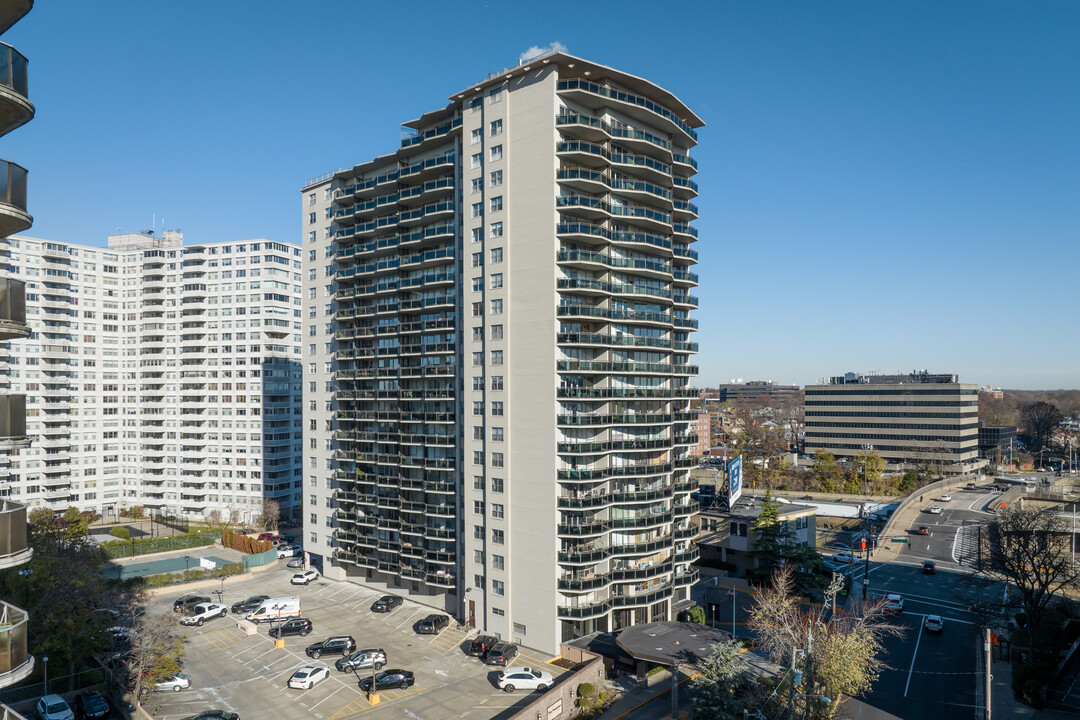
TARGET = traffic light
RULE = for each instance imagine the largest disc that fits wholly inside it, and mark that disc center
(862, 544)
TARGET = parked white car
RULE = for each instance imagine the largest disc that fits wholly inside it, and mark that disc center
(176, 683)
(202, 613)
(524, 678)
(54, 707)
(305, 577)
(288, 551)
(843, 557)
(307, 677)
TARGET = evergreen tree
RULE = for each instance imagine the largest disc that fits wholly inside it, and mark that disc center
(716, 693)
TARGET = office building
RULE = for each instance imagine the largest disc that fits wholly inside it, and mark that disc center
(918, 419)
(159, 375)
(754, 389)
(501, 319)
(997, 443)
(16, 662)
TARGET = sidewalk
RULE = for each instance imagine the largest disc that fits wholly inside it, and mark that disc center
(1004, 706)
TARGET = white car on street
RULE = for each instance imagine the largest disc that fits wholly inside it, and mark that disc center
(934, 623)
(202, 613)
(305, 577)
(288, 551)
(176, 683)
(524, 678)
(935, 509)
(843, 557)
(307, 677)
(946, 498)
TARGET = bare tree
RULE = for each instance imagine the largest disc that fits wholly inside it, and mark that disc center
(1030, 548)
(157, 649)
(836, 658)
(1040, 419)
(270, 515)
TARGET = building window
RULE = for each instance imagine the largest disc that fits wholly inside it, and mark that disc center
(496, 332)
(478, 335)
(496, 459)
(496, 281)
(478, 482)
(478, 284)
(496, 204)
(496, 307)
(497, 511)
(478, 160)
(496, 229)
(496, 382)
(496, 255)
(498, 587)
(498, 537)
(478, 507)
(478, 408)
(498, 562)
(478, 210)
(496, 357)
(498, 611)
(478, 185)
(519, 629)
(478, 432)
(477, 358)
(478, 309)
(496, 127)
(496, 178)
(477, 259)
(478, 532)
(311, 218)
(478, 383)
(496, 152)
(496, 408)
(497, 434)
(495, 95)
(477, 135)
(478, 581)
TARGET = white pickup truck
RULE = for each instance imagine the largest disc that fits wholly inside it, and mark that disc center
(202, 613)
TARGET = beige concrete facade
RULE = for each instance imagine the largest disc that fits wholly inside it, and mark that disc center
(914, 419)
(545, 493)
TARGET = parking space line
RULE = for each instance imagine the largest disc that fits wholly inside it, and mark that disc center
(411, 616)
(343, 712)
(326, 698)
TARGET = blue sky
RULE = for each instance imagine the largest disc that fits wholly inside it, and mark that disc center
(884, 186)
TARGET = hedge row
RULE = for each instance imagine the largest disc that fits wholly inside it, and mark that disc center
(244, 543)
(165, 579)
(128, 548)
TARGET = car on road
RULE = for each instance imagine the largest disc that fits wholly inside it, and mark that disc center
(928, 567)
(481, 644)
(945, 498)
(894, 603)
(362, 660)
(836, 566)
(843, 557)
(307, 677)
(176, 683)
(972, 486)
(53, 707)
(202, 613)
(293, 626)
(386, 604)
(339, 645)
(933, 623)
(91, 705)
(432, 624)
(935, 510)
(184, 603)
(214, 715)
(524, 678)
(289, 551)
(389, 679)
(250, 605)
(502, 654)
(296, 562)
(305, 577)
(923, 530)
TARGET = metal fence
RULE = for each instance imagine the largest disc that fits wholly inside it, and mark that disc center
(131, 548)
(180, 524)
(58, 685)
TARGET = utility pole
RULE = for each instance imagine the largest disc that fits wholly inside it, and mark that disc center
(866, 569)
(791, 695)
(809, 664)
(989, 676)
(675, 691)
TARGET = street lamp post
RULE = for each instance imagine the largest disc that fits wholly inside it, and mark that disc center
(26, 573)
(45, 665)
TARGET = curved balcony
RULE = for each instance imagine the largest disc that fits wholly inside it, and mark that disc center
(593, 94)
(15, 106)
(14, 550)
(13, 424)
(13, 215)
(13, 309)
(16, 663)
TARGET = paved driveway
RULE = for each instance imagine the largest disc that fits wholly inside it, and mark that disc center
(249, 676)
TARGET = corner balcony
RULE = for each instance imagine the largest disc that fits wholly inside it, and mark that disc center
(16, 663)
(13, 309)
(14, 550)
(13, 215)
(13, 423)
(15, 106)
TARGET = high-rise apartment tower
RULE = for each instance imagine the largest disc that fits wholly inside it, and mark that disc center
(500, 311)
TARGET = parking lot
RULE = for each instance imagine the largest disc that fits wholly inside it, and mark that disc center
(249, 676)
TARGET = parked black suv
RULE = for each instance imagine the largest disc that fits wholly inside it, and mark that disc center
(250, 605)
(184, 603)
(340, 644)
(502, 654)
(362, 659)
(389, 679)
(433, 624)
(91, 705)
(386, 603)
(481, 644)
(293, 626)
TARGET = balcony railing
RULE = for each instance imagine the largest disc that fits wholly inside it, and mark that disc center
(15, 662)
(13, 309)
(13, 546)
(13, 421)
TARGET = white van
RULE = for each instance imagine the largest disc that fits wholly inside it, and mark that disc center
(273, 609)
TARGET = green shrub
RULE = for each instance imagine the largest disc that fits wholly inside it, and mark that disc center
(145, 546)
(121, 532)
(586, 690)
(166, 579)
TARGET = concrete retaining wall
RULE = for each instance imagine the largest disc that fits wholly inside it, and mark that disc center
(557, 703)
(902, 518)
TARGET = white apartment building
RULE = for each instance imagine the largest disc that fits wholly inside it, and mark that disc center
(499, 321)
(158, 374)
